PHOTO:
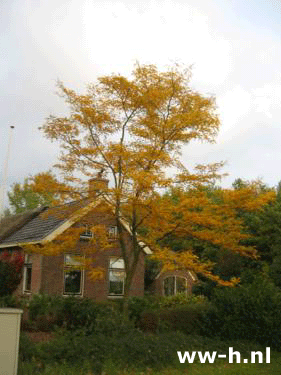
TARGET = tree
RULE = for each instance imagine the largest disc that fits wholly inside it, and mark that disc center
(30, 194)
(132, 131)
(10, 272)
(265, 228)
(208, 222)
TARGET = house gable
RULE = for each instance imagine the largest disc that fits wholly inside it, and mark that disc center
(48, 225)
(49, 272)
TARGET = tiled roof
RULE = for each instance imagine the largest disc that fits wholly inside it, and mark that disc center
(34, 230)
(11, 224)
(44, 223)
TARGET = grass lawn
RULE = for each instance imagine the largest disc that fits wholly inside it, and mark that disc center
(218, 368)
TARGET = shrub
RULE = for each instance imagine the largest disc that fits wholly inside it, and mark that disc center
(137, 305)
(189, 319)
(72, 313)
(141, 305)
(42, 305)
(113, 324)
(141, 351)
(75, 349)
(27, 349)
(10, 272)
(43, 312)
(181, 299)
(10, 301)
(129, 350)
(134, 350)
(76, 313)
(251, 312)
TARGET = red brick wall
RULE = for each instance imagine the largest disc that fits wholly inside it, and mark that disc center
(52, 266)
(47, 271)
(36, 276)
(52, 275)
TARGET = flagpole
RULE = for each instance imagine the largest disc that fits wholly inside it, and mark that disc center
(5, 173)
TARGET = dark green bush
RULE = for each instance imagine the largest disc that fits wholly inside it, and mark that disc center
(43, 312)
(73, 348)
(74, 313)
(140, 350)
(141, 305)
(27, 349)
(149, 321)
(132, 350)
(137, 305)
(10, 301)
(47, 313)
(250, 312)
(189, 319)
(42, 305)
(112, 324)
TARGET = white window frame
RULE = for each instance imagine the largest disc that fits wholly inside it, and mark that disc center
(27, 265)
(175, 285)
(68, 267)
(112, 269)
(87, 235)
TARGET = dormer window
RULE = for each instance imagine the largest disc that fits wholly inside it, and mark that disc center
(174, 285)
(86, 235)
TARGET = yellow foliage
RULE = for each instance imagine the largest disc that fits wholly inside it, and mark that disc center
(132, 131)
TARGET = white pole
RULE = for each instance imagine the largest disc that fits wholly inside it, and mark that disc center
(5, 173)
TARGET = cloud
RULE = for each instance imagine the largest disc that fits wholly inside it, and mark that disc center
(102, 36)
(267, 99)
(233, 106)
(235, 58)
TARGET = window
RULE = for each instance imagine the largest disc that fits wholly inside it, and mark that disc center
(112, 232)
(174, 285)
(86, 235)
(116, 276)
(72, 276)
(27, 273)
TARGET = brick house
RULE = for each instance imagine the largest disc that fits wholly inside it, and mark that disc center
(60, 274)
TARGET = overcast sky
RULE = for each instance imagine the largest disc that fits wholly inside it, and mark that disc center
(233, 45)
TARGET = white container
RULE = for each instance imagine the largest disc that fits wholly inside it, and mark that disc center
(9, 340)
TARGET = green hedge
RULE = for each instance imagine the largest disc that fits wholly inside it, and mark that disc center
(49, 313)
(141, 305)
(131, 350)
(189, 319)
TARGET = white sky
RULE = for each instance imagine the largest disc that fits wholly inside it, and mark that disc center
(233, 45)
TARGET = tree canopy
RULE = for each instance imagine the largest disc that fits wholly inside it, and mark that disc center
(132, 131)
(31, 194)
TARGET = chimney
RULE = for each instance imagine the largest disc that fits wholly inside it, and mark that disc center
(96, 185)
